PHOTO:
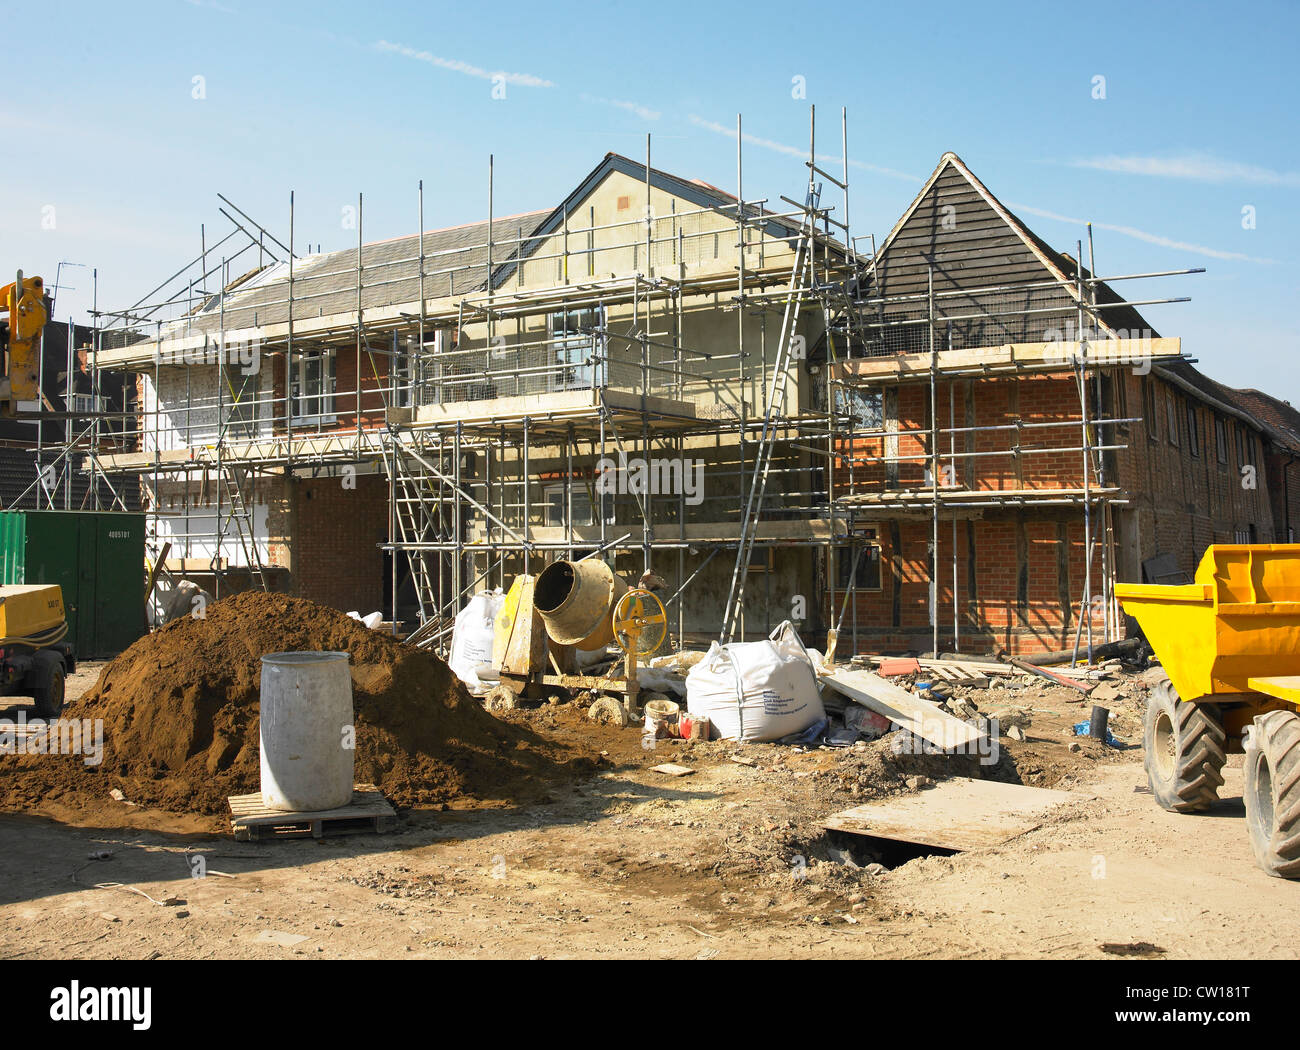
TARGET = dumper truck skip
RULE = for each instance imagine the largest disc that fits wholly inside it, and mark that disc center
(1229, 643)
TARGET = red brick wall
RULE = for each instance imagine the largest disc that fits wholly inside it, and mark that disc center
(374, 389)
(335, 558)
(1182, 501)
(1008, 548)
(1029, 564)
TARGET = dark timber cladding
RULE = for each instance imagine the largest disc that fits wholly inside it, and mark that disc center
(958, 229)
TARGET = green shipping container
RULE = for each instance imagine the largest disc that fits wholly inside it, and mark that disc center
(96, 557)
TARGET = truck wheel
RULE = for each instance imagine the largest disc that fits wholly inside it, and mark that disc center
(49, 697)
(1273, 793)
(1185, 750)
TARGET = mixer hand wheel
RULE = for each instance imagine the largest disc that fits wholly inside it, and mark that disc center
(640, 622)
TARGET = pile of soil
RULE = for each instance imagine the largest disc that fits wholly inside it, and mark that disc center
(180, 714)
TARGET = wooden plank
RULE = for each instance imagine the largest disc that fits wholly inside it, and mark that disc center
(672, 769)
(957, 814)
(369, 811)
(920, 717)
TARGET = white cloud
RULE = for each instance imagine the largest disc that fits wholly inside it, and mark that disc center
(644, 112)
(457, 66)
(795, 151)
(1143, 235)
(1199, 167)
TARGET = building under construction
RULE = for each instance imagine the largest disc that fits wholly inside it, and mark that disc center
(959, 438)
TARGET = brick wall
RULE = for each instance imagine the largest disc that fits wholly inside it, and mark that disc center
(1020, 573)
(1186, 489)
(335, 560)
(1028, 572)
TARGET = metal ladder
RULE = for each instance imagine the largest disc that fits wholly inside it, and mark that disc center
(416, 522)
(232, 480)
(801, 281)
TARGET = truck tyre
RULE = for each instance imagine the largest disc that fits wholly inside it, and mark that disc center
(1273, 793)
(49, 697)
(1185, 750)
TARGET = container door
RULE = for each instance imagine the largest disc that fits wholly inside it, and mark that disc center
(119, 598)
(87, 641)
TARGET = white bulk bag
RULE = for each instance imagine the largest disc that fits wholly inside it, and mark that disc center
(471, 638)
(754, 691)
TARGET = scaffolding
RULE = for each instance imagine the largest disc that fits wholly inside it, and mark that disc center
(509, 384)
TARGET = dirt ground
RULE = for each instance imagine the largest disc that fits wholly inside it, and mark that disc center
(730, 862)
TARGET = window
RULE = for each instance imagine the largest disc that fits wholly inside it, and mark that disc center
(1193, 432)
(1221, 439)
(580, 500)
(85, 404)
(573, 344)
(867, 577)
(311, 383)
(1152, 419)
(242, 392)
(1171, 418)
(1242, 457)
(401, 372)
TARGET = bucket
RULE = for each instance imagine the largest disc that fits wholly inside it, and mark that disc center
(575, 599)
(306, 706)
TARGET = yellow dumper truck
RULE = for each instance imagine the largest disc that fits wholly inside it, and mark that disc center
(1229, 643)
(34, 658)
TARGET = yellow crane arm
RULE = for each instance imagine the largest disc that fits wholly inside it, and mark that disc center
(24, 301)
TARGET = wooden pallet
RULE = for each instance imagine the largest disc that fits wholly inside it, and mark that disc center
(368, 811)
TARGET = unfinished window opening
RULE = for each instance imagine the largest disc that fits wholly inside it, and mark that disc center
(864, 407)
(243, 391)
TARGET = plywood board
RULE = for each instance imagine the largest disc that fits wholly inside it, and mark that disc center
(920, 717)
(957, 814)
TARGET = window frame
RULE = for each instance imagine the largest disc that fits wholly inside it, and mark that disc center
(562, 340)
(323, 397)
(1151, 408)
(868, 538)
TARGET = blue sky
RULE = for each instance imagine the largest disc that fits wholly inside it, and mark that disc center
(331, 99)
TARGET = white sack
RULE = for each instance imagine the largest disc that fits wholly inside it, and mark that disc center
(471, 639)
(755, 691)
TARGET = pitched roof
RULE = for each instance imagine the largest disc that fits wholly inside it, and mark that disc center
(1279, 418)
(456, 261)
(698, 192)
(970, 249)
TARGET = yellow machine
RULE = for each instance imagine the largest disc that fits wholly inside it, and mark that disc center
(574, 606)
(1230, 645)
(24, 303)
(34, 658)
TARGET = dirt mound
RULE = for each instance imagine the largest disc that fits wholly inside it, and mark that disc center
(180, 714)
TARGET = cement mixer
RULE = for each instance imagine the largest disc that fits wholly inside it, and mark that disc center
(572, 606)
